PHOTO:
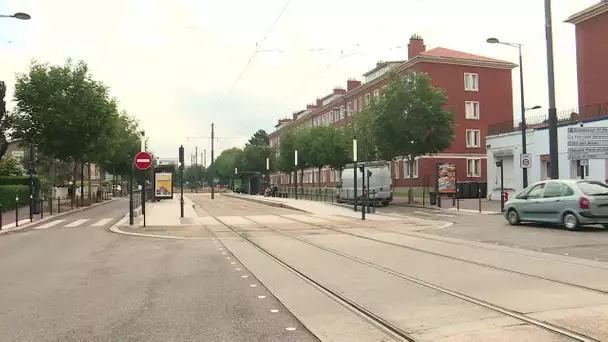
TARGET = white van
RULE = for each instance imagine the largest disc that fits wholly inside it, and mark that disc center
(380, 186)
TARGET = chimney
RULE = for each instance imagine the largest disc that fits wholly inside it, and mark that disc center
(295, 114)
(319, 103)
(339, 91)
(415, 47)
(352, 84)
(310, 106)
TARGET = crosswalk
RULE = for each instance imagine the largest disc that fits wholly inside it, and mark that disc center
(75, 223)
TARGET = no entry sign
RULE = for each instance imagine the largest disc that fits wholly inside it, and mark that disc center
(143, 160)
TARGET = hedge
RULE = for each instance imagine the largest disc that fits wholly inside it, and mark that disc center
(19, 180)
(9, 192)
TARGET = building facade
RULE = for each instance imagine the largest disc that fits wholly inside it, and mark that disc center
(591, 25)
(507, 147)
(479, 91)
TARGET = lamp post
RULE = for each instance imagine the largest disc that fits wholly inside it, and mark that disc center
(18, 15)
(522, 103)
(355, 154)
(295, 173)
(31, 170)
(268, 171)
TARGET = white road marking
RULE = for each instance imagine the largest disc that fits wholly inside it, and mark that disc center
(261, 297)
(252, 285)
(290, 328)
(76, 223)
(50, 224)
(274, 310)
(232, 263)
(244, 276)
(224, 253)
(101, 222)
(238, 269)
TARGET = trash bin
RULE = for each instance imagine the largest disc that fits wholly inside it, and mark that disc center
(37, 208)
(433, 198)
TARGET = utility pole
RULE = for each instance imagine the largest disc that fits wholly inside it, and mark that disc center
(553, 153)
(196, 169)
(205, 158)
(212, 165)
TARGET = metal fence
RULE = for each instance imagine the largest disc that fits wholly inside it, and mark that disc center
(566, 116)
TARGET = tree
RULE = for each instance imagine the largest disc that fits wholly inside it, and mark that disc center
(287, 147)
(226, 162)
(10, 166)
(4, 122)
(411, 120)
(259, 138)
(340, 149)
(317, 147)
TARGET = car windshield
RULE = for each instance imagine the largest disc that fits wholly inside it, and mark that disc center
(593, 188)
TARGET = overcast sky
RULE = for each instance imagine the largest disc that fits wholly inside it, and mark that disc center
(172, 63)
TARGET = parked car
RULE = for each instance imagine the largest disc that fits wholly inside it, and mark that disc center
(572, 203)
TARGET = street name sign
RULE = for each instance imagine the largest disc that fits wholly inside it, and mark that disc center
(143, 160)
(587, 143)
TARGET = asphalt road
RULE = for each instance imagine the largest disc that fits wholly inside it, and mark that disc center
(588, 243)
(83, 283)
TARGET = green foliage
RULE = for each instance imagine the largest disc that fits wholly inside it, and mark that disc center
(21, 180)
(8, 194)
(259, 138)
(363, 127)
(4, 122)
(340, 149)
(412, 119)
(226, 162)
(287, 149)
(197, 173)
(10, 166)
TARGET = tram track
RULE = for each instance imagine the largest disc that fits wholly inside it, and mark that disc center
(556, 329)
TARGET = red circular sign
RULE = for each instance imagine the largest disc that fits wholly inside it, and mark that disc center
(143, 160)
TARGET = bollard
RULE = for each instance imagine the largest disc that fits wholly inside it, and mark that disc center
(457, 199)
(51, 205)
(479, 195)
(423, 191)
(1, 216)
(375, 202)
(58, 204)
(32, 204)
(16, 211)
(42, 208)
(438, 201)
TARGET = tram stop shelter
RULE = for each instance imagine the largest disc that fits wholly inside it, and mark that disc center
(249, 182)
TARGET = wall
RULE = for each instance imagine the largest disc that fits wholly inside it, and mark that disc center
(591, 55)
(509, 146)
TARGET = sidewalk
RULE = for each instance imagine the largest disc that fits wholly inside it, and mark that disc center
(166, 213)
(312, 207)
(465, 205)
(8, 217)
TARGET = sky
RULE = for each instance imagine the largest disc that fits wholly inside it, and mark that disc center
(174, 65)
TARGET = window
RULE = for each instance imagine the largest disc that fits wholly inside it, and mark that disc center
(355, 105)
(366, 99)
(396, 169)
(537, 191)
(376, 93)
(342, 112)
(337, 114)
(360, 103)
(349, 109)
(472, 110)
(593, 188)
(575, 169)
(474, 167)
(331, 117)
(407, 167)
(471, 82)
(473, 138)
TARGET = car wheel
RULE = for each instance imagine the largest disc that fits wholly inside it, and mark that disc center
(605, 226)
(385, 204)
(513, 217)
(571, 221)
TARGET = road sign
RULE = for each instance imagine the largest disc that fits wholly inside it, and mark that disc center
(525, 160)
(143, 160)
(587, 143)
(584, 162)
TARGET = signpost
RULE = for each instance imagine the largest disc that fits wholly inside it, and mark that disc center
(525, 160)
(143, 161)
(586, 143)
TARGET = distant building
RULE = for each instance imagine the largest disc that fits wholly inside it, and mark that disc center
(479, 91)
(592, 53)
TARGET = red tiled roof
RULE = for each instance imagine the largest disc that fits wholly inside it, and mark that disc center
(448, 53)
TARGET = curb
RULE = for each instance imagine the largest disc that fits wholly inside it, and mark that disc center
(268, 203)
(46, 218)
(116, 230)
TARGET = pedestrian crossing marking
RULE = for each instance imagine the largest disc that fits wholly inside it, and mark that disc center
(50, 224)
(101, 222)
(76, 223)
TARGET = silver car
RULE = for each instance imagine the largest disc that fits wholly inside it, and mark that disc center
(573, 203)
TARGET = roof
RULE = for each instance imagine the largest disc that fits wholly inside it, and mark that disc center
(381, 65)
(588, 13)
(448, 53)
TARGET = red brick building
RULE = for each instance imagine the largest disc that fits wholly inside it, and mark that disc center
(592, 53)
(479, 91)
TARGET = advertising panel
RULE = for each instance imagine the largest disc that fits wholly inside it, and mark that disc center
(446, 178)
(163, 184)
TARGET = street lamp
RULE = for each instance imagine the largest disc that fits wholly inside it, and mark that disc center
(295, 173)
(523, 105)
(18, 15)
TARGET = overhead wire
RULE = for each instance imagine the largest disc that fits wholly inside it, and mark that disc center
(255, 52)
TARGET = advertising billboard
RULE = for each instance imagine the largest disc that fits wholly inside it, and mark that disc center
(446, 178)
(163, 184)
